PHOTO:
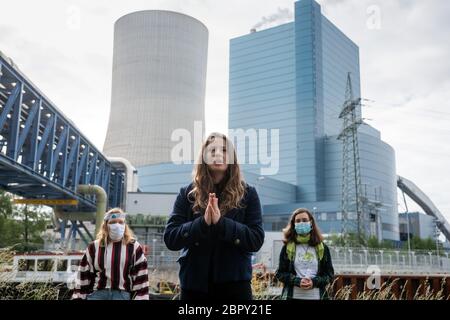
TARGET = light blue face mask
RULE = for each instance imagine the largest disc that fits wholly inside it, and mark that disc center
(303, 227)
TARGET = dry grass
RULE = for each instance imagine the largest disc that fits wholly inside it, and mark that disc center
(165, 282)
(29, 290)
(262, 283)
(386, 292)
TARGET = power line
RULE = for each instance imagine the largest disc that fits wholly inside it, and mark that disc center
(351, 198)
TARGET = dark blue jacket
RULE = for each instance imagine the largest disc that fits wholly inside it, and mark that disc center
(217, 253)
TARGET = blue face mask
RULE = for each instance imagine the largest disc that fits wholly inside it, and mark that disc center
(303, 227)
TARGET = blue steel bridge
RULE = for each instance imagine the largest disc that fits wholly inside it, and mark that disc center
(42, 153)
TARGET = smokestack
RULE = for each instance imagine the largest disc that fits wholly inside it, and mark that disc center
(282, 15)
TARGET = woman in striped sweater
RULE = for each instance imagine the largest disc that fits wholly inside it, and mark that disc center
(114, 266)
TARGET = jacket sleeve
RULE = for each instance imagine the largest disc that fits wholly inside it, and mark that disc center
(249, 236)
(283, 273)
(139, 276)
(181, 232)
(84, 283)
(326, 272)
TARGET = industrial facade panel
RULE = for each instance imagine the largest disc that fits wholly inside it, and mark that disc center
(375, 175)
(262, 91)
(340, 56)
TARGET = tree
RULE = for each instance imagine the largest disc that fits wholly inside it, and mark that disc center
(21, 226)
(8, 227)
(6, 206)
(422, 244)
(347, 240)
(373, 242)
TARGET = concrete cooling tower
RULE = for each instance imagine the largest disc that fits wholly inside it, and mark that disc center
(158, 84)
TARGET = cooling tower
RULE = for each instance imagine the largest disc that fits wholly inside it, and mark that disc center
(158, 84)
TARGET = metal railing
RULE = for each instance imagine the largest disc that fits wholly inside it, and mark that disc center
(344, 259)
(348, 260)
(359, 260)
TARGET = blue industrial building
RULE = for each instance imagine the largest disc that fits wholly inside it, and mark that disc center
(421, 226)
(292, 77)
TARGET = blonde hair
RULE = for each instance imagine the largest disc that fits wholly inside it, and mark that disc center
(233, 184)
(103, 234)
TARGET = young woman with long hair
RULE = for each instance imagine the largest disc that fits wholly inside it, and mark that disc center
(305, 266)
(217, 223)
(114, 266)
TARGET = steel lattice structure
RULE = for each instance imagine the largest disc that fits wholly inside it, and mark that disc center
(352, 197)
(42, 153)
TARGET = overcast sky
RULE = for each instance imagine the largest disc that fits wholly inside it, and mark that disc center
(65, 48)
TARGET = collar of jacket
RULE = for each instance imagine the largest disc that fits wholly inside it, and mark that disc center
(291, 246)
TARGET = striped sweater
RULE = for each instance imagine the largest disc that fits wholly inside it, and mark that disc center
(118, 266)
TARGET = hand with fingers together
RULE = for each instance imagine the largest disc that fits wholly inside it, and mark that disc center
(209, 212)
(306, 283)
(216, 210)
(212, 213)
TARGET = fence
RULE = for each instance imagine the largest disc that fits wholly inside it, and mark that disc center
(345, 260)
(358, 260)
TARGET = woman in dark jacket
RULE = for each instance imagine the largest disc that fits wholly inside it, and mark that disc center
(305, 266)
(217, 223)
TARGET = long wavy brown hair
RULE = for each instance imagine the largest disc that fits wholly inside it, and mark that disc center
(232, 185)
(290, 234)
(103, 234)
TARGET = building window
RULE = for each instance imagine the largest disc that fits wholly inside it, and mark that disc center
(390, 227)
